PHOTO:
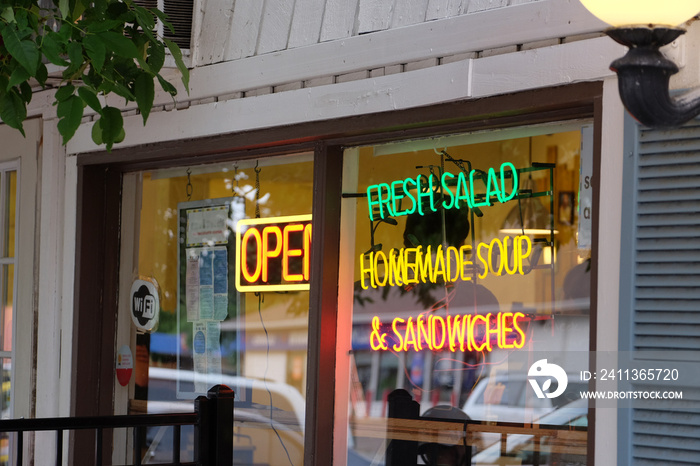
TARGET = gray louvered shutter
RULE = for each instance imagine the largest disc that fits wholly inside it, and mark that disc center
(180, 17)
(660, 288)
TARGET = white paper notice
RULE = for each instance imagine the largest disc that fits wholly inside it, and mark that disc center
(207, 226)
(199, 354)
(207, 284)
(192, 287)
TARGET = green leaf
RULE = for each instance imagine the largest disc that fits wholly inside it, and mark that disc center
(65, 32)
(75, 55)
(104, 25)
(112, 126)
(96, 50)
(78, 7)
(13, 110)
(120, 137)
(8, 14)
(167, 87)
(119, 44)
(52, 50)
(63, 93)
(64, 7)
(42, 74)
(144, 90)
(145, 66)
(156, 56)
(144, 18)
(177, 55)
(19, 75)
(24, 51)
(70, 112)
(123, 91)
(116, 10)
(90, 97)
(26, 91)
(163, 19)
(97, 132)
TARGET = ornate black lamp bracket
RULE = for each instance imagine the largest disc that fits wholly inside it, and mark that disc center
(644, 74)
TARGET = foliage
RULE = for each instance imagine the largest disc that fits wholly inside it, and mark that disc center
(101, 46)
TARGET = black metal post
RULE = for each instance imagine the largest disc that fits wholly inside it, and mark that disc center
(221, 398)
(98, 447)
(176, 445)
(402, 452)
(137, 445)
(202, 431)
(20, 447)
(59, 447)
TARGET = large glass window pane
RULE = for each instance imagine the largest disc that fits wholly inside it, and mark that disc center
(234, 300)
(466, 257)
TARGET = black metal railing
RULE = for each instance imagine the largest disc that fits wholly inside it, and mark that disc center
(212, 421)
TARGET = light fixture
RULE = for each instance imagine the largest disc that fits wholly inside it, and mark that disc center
(643, 73)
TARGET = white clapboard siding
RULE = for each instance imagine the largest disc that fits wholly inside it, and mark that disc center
(481, 5)
(274, 30)
(338, 19)
(306, 22)
(211, 44)
(374, 15)
(408, 12)
(663, 198)
(245, 26)
(439, 9)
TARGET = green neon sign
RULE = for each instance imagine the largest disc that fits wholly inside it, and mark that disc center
(455, 191)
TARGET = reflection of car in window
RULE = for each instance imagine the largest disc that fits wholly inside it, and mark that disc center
(521, 447)
(268, 419)
(264, 433)
(509, 399)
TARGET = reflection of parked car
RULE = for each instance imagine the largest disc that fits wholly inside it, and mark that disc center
(268, 419)
(264, 433)
(521, 447)
(511, 399)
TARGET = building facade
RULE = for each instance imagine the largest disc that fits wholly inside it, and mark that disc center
(355, 197)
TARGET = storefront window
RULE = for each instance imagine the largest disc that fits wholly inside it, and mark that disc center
(228, 247)
(8, 204)
(467, 252)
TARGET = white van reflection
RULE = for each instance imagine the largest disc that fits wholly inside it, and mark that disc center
(506, 398)
(520, 448)
(268, 423)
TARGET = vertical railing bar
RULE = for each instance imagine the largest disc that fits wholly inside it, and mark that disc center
(137, 445)
(59, 447)
(176, 444)
(98, 447)
(20, 447)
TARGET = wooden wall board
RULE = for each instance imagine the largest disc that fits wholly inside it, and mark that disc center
(274, 29)
(306, 22)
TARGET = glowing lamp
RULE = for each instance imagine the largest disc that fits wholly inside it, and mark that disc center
(619, 13)
(643, 73)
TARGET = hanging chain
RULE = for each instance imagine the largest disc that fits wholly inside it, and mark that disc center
(257, 190)
(188, 189)
(235, 178)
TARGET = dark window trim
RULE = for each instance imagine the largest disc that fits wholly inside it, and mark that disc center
(99, 191)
